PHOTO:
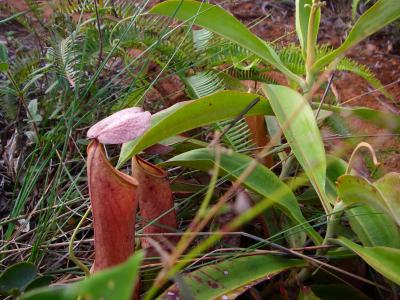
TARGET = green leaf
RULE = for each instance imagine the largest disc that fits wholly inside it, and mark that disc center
(382, 119)
(384, 260)
(3, 21)
(354, 7)
(357, 190)
(298, 123)
(33, 115)
(336, 167)
(261, 180)
(115, 283)
(371, 226)
(219, 21)
(187, 115)
(16, 278)
(3, 58)
(40, 282)
(389, 186)
(378, 16)
(230, 278)
(303, 10)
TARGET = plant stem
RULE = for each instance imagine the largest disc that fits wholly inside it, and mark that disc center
(311, 42)
(100, 33)
(332, 226)
(21, 99)
(71, 245)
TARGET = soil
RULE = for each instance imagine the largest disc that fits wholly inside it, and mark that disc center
(381, 53)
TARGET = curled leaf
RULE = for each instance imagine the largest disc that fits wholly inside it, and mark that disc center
(114, 205)
(121, 127)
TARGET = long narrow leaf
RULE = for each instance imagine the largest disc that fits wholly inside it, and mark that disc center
(384, 260)
(369, 224)
(298, 123)
(355, 190)
(231, 278)
(303, 10)
(378, 16)
(382, 119)
(261, 180)
(115, 283)
(188, 115)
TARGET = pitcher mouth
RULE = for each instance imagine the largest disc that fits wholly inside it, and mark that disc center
(120, 175)
(149, 168)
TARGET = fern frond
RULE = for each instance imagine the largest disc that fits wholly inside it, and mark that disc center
(204, 84)
(252, 74)
(76, 6)
(21, 68)
(292, 57)
(64, 58)
(118, 8)
(365, 73)
(238, 138)
(227, 53)
(23, 65)
(149, 32)
(8, 100)
(201, 38)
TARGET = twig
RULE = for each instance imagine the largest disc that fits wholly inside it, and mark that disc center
(71, 253)
(240, 116)
(325, 94)
(100, 34)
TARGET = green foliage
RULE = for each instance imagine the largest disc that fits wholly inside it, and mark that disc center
(237, 137)
(231, 278)
(204, 84)
(303, 12)
(292, 57)
(385, 260)
(261, 180)
(383, 195)
(298, 123)
(64, 59)
(382, 13)
(217, 20)
(20, 278)
(115, 283)
(191, 114)
(3, 58)
(16, 278)
(81, 75)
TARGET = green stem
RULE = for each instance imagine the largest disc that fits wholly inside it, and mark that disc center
(332, 226)
(331, 231)
(21, 99)
(211, 187)
(71, 253)
(311, 43)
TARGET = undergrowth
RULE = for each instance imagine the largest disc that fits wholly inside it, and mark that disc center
(89, 59)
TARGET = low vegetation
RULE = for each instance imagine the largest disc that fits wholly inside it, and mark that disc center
(166, 151)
